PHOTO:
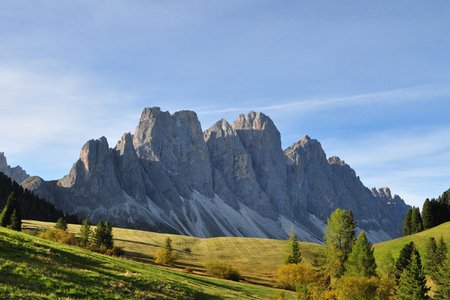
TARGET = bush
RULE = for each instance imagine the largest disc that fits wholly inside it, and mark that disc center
(222, 270)
(292, 275)
(165, 257)
(356, 288)
(58, 235)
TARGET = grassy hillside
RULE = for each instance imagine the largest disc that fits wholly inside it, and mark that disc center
(256, 259)
(420, 239)
(34, 268)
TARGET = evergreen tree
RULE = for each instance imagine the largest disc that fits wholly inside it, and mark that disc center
(441, 251)
(294, 254)
(412, 284)
(442, 281)
(103, 235)
(416, 221)
(339, 239)
(16, 221)
(431, 258)
(404, 259)
(61, 224)
(85, 233)
(427, 216)
(361, 261)
(168, 244)
(407, 225)
(10, 215)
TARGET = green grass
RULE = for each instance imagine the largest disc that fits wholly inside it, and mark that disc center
(420, 239)
(256, 259)
(31, 267)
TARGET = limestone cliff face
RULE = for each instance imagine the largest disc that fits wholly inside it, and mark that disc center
(15, 173)
(233, 179)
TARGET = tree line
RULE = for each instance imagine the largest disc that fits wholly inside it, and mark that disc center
(346, 267)
(434, 213)
(32, 206)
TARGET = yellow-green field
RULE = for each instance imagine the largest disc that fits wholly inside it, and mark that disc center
(256, 259)
(420, 239)
(34, 268)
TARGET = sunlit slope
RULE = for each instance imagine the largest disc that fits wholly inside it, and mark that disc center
(39, 269)
(255, 258)
(420, 239)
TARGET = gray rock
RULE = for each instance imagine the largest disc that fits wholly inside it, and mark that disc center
(232, 180)
(15, 173)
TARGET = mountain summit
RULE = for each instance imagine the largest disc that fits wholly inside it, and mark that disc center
(232, 179)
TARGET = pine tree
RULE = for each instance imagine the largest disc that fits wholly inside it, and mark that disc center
(16, 221)
(85, 233)
(404, 259)
(11, 213)
(61, 224)
(427, 216)
(339, 239)
(294, 255)
(103, 235)
(442, 281)
(416, 221)
(361, 261)
(441, 251)
(407, 225)
(412, 284)
(168, 244)
(431, 258)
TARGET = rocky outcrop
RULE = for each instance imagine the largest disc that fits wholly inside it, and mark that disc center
(233, 179)
(15, 173)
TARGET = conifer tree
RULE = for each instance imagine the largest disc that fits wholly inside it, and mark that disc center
(16, 221)
(427, 216)
(407, 226)
(103, 235)
(339, 239)
(404, 259)
(387, 266)
(10, 215)
(416, 221)
(412, 284)
(85, 233)
(294, 255)
(441, 250)
(361, 261)
(442, 281)
(431, 258)
(61, 224)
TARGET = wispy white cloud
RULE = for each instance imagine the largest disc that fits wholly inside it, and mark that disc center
(395, 96)
(57, 112)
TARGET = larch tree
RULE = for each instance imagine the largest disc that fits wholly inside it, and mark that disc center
(339, 239)
(61, 224)
(85, 233)
(361, 261)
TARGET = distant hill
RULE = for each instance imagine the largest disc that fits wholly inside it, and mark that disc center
(420, 239)
(33, 268)
(32, 206)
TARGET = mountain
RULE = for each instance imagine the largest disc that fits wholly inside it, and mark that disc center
(232, 179)
(16, 173)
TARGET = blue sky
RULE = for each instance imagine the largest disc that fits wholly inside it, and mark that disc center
(369, 79)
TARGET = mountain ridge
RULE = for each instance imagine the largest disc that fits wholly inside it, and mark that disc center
(231, 179)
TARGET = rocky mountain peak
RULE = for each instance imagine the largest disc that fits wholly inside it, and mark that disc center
(307, 150)
(335, 160)
(15, 173)
(93, 152)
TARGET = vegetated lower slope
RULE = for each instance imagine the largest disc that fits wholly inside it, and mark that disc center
(32, 206)
(31, 267)
(420, 239)
(255, 258)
